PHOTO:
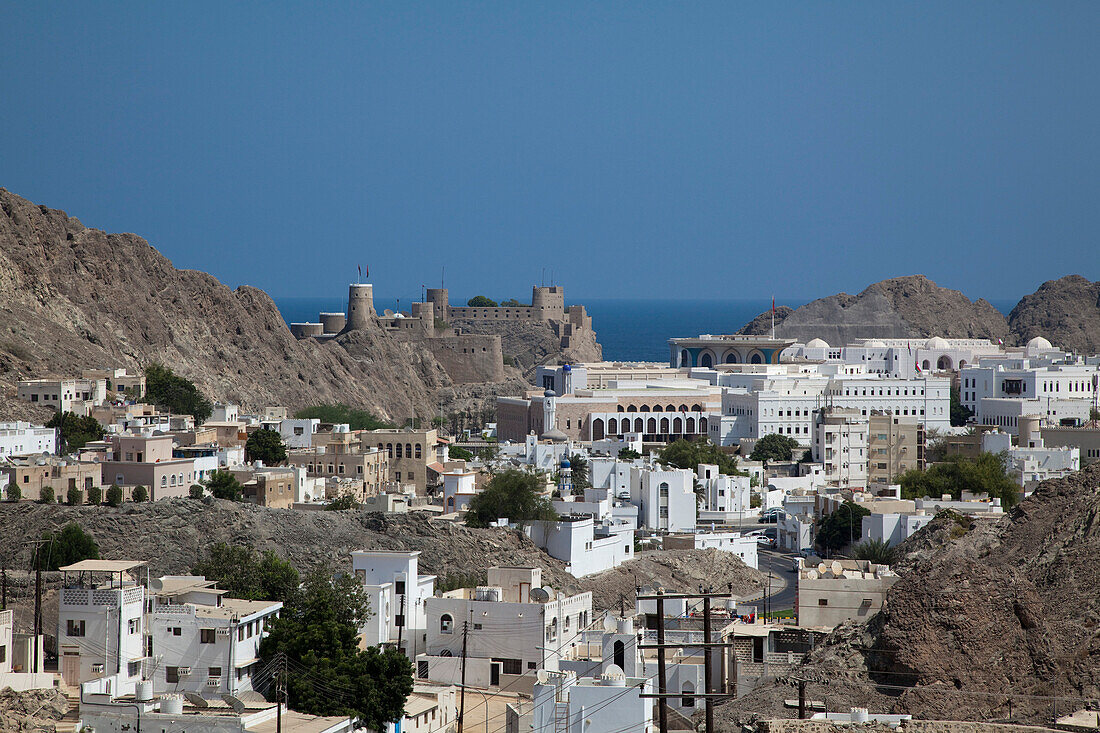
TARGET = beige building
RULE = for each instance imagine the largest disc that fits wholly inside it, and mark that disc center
(66, 395)
(146, 460)
(410, 453)
(895, 445)
(1087, 439)
(33, 474)
(371, 467)
(229, 433)
(270, 487)
(840, 444)
(841, 590)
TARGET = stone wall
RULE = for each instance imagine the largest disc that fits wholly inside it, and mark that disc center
(469, 358)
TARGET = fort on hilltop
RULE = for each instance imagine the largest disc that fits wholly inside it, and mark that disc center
(456, 335)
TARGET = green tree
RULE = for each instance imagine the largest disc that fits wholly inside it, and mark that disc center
(511, 493)
(337, 413)
(265, 445)
(690, 453)
(95, 495)
(480, 301)
(46, 495)
(578, 465)
(166, 389)
(755, 501)
(841, 527)
(75, 496)
(65, 547)
(248, 575)
(342, 503)
(14, 494)
(75, 431)
(773, 448)
(114, 495)
(959, 413)
(459, 453)
(956, 474)
(629, 454)
(876, 551)
(224, 485)
(488, 453)
(318, 632)
(139, 494)
(511, 303)
(196, 491)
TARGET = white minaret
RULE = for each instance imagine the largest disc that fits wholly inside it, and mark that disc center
(567, 379)
(549, 410)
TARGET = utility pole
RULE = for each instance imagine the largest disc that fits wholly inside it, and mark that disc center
(662, 701)
(462, 692)
(4, 586)
(802, 699)
(708, 701)
(401, 626)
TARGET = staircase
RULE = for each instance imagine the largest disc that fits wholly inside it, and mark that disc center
(68, 724)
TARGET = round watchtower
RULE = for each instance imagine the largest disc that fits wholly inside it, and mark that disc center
(548, 302)
(441, 302)
(360, 306)
(333, 323)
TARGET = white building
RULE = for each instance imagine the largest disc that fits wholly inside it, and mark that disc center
(65, 395)
(586, 547)
(613, 702)
(201, 641)
(734, 543)
(512, 621)
(892, 527)
(100, 622)
(458, 490)
(225, 413)
(722, 492)
(298, 432)
(841, 590)
(1032, 462)
(999, 391)
(103, 713)
(840, 445)
(665, 498)
(795, 532)
(398, 596)
(23, 439)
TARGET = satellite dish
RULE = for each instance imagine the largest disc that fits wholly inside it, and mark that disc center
(540, 595)
(542, 677)
(812, 575)
(609, 624)
(837, 568)
(196, 699)
(251, 696)
(821, 568)
(234, 702)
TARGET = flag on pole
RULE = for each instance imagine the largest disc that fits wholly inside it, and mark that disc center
(773, 305)
(360, 267)
(1000, 342)
(918, 368)
(910, 347)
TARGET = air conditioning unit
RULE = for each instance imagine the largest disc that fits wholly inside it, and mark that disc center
(97, 669)
(184, 671)
(223, 631)
(213, 682)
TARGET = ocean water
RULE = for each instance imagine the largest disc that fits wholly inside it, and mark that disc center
(628, 329)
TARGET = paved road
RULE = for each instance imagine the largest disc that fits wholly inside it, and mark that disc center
(781, 587)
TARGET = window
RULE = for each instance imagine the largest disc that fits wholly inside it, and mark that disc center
(477, 627)
(206, 636)
(172, 675)
(3, 654)
(74, 628)
(176, 631)
(823, 601)
(133, 669)
(411, 476)
(446, 624)
(399, 587)
(422, 670)
(240, 633)
(399, 620)
(133, 625)
(215, 671)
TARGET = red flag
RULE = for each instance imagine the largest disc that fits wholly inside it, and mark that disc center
(773, 304)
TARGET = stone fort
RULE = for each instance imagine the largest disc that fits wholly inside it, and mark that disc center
(437, 326)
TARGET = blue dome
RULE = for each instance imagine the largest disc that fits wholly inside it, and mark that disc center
(565, 463)
(567, 368)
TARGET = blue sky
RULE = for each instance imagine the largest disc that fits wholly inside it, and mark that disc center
(689, 150)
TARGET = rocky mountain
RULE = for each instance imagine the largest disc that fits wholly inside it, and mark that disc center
(73, 298)
(897, 308)
(1065, 311)
(991, 619)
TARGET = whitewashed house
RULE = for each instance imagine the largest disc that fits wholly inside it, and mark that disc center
(587, 547)
(398, 595)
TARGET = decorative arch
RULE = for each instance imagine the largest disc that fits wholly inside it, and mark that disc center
(658, 408)
(631, 408)
(637, 425)
(732, 358)
(756, 358)
(446, 624)
(691, 425)
(696, 408)
(597, 429)
(619, 408)
(683, 408)
(706, 360)
(678, 425)
(926, 365)
(944, 363)
(651, 425)
(620, 654)
(664, 426)
(643, 408)
(685, 357)
(687, 699)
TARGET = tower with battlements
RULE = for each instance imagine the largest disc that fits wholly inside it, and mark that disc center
(360, 306)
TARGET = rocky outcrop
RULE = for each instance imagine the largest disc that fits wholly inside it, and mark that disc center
(74, 298)
(991, 618)
(1065, 311)
(901, 307)
(533, 343)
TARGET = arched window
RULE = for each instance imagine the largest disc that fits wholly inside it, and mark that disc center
(670, 408)
(619, 408)
(696, 408)
(691, 425)
(926, 365)
(620, 655)
(613, 426)
(662, 489)
(685, 357)
(706, 360)
(554, 629)
(637, 425)
(757, 359)
(446, 624)
(651, 426)
(408, 450)
(731, 358)
(163, 481)
(678, 425)
(688, 698)
(631, 408)
(418, 450)
(658, 408)
(643, 408)
(597, 429)
(664, 425)
(389, 449)
(683, 408)
(944, 363)
(399, 450)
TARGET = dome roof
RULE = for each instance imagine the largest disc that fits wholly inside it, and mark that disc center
(549, 393)
(937, 343)
(565, 463)
(875, 344)
(1039, 343)
(818, 344)
(555, 436)
(567, 368)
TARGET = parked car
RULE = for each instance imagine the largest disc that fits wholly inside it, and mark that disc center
(771, 516)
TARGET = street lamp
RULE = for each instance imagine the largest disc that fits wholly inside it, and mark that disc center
(484, 701)
(851, 522)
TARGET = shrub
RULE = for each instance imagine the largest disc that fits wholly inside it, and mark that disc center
(165, 388)
(140, 494)
(46, 496)
(114, 495)
(196, 491)
(459, 453)
(75, 496)
(511, 493)
(876, 551)
(224, 485)
(342, 502)
(338, 412)
(71, 544)
(266, 446)
(481, 301)
(14, 494)
(95, 495)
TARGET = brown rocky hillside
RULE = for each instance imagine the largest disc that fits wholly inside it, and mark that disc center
(990, 620)
(897, 308)
(1064, 311)
(73, 298)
